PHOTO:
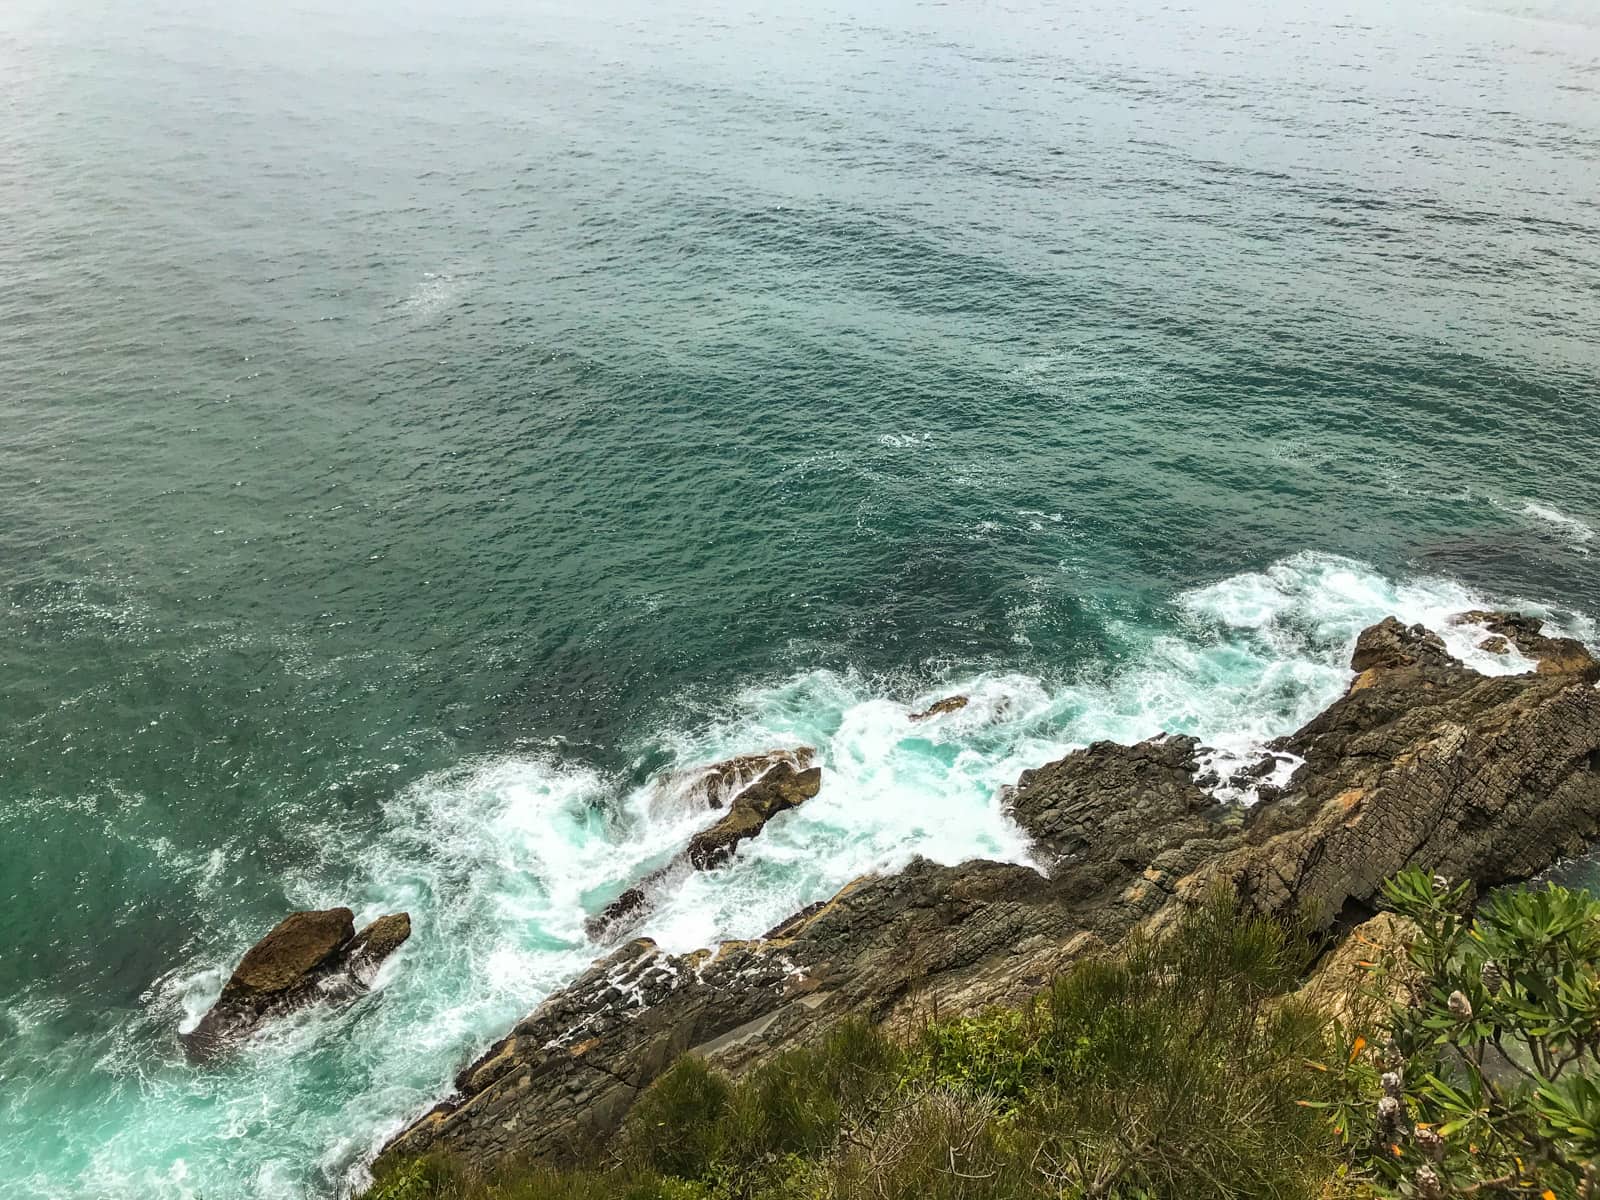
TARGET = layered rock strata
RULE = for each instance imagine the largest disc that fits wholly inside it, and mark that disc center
(1423, 762)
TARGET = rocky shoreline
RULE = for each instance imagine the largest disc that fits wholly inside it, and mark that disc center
(1422, 762)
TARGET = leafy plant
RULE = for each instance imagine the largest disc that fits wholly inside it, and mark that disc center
(1485, 1085)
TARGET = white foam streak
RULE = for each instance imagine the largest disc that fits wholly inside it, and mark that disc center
(1577, 532)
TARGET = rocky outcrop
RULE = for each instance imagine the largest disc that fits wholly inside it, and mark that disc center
(1389, 644)
(1423, 762)
(306, 957)
(782, 779)
(938, 708)
(783, 787)
(720, 781)
(1555, 656)
(1427, 762)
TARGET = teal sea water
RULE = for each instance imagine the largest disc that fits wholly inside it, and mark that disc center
(424, 426)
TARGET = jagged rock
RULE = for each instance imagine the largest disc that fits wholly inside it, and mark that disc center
(1389, 644)
(306, 957)
(1261, 768)
(1426, 763)
(377, 941)
(634, 904)
(786, 782)
(780, 789)
(949, 704)
(1495, 645)
(1486, 779)
(724, 779)
(1555, 656)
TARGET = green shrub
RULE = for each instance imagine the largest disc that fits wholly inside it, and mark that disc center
(1486, 1086)
(1169, 1071)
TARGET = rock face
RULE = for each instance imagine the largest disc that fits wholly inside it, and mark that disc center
(1423, 762)
(307, 956)
(1389, 644)
(783, 779)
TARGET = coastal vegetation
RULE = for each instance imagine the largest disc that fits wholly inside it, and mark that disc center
(1186, 1066)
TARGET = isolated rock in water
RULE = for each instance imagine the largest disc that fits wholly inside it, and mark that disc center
(787, 781)
(1430, 764)
(306, 957)
(1495, 645)
(780, 789)
(288, 957)
(949, 704)
(1555, 656)
(724, 779)
(1389, 645)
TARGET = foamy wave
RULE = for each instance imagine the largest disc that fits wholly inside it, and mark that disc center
(1578, 533)
(500, 861)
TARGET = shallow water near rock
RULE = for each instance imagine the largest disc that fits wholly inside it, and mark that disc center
(427, 426)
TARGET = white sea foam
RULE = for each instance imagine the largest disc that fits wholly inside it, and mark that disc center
(1578, 532)
(500, 861)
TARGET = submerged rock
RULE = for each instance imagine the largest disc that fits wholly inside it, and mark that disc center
(1426, 763)
(949, 704)
(306, 957)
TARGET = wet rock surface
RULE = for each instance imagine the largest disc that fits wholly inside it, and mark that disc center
(305, 958)
(1555, 656)
(1422, 762)
(938, 708)
(724, 780)
(783, 787)
(775, 782)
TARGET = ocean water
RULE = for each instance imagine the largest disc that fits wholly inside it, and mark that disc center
(425, 427)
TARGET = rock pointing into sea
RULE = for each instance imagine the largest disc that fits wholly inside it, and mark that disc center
(939, 708)
(768, 783)
(1424, 762)
(307, 957)
(783, 787)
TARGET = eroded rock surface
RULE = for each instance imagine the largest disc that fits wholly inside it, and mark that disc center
(728, 778)
(306, 957)
(1556, 656)
(773, 782)
(1423, 762)
(783, 787)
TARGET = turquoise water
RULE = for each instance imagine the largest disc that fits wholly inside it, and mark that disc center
(423, 426)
